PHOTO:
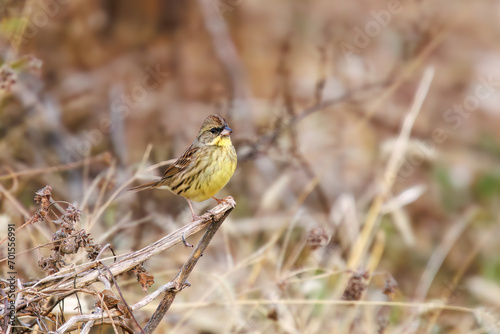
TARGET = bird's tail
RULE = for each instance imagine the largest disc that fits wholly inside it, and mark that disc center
(144, 186)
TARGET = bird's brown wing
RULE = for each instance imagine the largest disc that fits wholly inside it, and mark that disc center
(181, 163)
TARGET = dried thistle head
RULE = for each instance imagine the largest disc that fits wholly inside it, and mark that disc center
(43, 195)
(356, 286)
(390, 286)
(317, 237)
(67, 239)
(72, 215)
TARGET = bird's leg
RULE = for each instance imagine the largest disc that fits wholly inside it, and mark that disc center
(195, 217)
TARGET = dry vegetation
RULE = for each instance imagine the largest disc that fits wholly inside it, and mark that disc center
(368, 179)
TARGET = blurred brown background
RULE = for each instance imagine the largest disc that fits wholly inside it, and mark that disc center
(97, 81)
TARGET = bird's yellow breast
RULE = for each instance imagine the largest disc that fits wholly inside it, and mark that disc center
(216, 169)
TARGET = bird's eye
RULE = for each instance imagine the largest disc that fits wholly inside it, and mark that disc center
(214, 130)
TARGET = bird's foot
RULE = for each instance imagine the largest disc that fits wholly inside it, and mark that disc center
(195, 218)
(229, 200)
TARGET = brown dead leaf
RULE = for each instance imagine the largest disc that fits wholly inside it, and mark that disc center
(144, 279)
(108, 298)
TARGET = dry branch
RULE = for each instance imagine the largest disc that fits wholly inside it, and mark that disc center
(87, 274)
(180, 281)
(68, 281)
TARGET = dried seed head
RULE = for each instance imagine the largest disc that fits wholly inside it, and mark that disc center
(356, 286)
(317, 237)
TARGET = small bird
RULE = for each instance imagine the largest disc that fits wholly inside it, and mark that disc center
(204, 168)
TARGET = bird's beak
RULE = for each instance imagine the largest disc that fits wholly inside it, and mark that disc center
(227, 130)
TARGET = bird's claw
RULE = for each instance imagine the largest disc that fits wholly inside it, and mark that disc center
(229, 200)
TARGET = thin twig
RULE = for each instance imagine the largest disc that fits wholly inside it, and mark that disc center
(265, 141)
(90, 319)
(473, 253)
(34, 171)
(428, 306)
(152, 296)
(393, 165)
(180, 281)
(437, 258)
(122, 298)
(90, 323)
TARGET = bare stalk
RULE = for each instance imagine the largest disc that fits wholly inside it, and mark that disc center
(180, 281)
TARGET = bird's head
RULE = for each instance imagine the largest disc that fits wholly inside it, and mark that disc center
(214, 131)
